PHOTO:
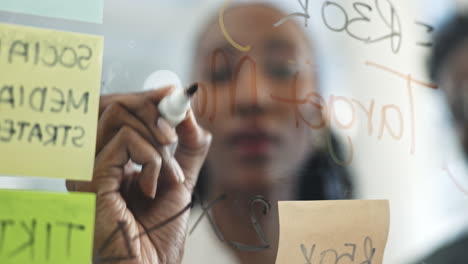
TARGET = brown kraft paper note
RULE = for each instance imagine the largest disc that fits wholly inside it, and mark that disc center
(333, 232)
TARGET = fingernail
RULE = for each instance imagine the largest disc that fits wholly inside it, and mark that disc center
(167, 130)
(152, 193)
(178, 171)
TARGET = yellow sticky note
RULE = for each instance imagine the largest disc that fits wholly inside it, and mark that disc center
(49, 98)
(352, 231)
(46, 228)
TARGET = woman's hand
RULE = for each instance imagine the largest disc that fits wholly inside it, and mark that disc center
(142, 217)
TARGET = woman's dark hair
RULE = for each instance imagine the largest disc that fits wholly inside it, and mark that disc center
(320, 179)
(324, 179)
(447, 39)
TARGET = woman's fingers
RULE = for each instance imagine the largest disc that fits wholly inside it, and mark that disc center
(194, 142)
(134, 99)
(112, 119)
(130, 129)
(127, 145)
(144, 107)
(135, 117)
(116, 116)
(78, 186)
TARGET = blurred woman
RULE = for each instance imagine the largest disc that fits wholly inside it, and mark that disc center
(267, 145)
(259, 146)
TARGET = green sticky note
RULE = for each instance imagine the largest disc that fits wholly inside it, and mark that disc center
(46, 228)
(81, 10)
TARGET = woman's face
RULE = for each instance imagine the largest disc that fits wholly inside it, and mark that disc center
(256, 138)
(454, 80)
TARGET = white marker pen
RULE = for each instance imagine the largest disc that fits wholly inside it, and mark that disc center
(174, 107)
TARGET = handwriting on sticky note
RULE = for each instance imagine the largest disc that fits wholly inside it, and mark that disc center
(49, 97)
(39, 227)
(81, 10)
(333, 232)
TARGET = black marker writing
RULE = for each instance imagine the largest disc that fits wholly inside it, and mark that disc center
(163, 223)
(128, 240)
(6, 95)
(3, 227)
(308, 257)
(392, 22)
(38, 93)
(45, 134)
(31, 232)
(369, 251)
(73, 105)
(360, 8)
(121, 227)
(147, 231)
(38, 240)
(258, 229)
(429, 30)
(351, 255)
(305, 14)
(331, 255)
(205, 210)
(41, 54)
(48, 238)
(44, 99)
(18, 48)
(70, 226)
(85, 58)
(324, 254)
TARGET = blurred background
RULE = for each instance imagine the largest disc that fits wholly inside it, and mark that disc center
(427, 207)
